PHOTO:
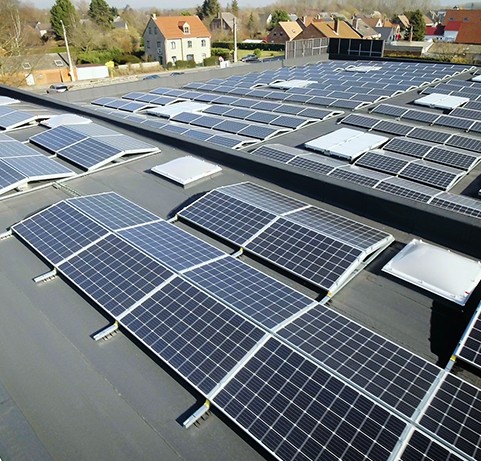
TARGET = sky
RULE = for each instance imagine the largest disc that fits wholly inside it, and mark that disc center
(164, 4)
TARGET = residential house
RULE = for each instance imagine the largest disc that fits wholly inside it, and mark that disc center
(363, 29)
(402, 21)
(224, 22)
(463, 26)
(119, 23)
(284, 32)
(176, 38)
(376, 22)
(434, 33)
(328, 29)
(388, 34)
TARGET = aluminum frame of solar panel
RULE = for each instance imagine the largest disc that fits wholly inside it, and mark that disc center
(380, 367)
(202, 339)
(442, 177)
(59, 231)
(114, 274)
(227, 217)
(454, 414)
(255, 294)
(298, 411)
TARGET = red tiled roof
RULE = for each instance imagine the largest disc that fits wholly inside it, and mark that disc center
(171, 26)
(434, 30)
(469, 32)
(453, 25)
(463, 16)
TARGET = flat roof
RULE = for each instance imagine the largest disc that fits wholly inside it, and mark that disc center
(93, 394)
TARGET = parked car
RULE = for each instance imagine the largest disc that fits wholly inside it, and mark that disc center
(57, 88)
(250, 58)
(151, 77)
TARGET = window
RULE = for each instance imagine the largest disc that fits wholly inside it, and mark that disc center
(189, 44)
(172, 45)
(150, 30)
(148, 43)
(58, 63)
(186, 29)
(204, 55)
(159, 44)
(26, 66)
(190, 57)
(174, 59)
(155, 31)
(202, 43)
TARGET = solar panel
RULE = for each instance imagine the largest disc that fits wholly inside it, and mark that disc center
(39, 167)
(128, 144)
(14, 148)
(361, 121)
(178, 129)
(458, 203)
(454, 414)
(15, 119)
(316, 163)
(266, 105)
(408, 147)
(297, 410)
(197, 134)
(184, 117)
(431, 174)
(312, 112)
(451, 157)
(344, 103)
(276, 152)
(429, 135)
(465, 142)
(471, 343)
(227, 217)
(454, 122)
(199, 337)
(92, 129)
(304, 252)
(420, 116)
(57, 138)
(359, 175)
(206, 121)
(254, 293)
(217, 110)
(59, 231)
(420, 447)
(90, 153)
(388, 109)
(407, 189)
(387, 162)
(114, 274)
(9, 177)
(263, 198)
(259, 131)
(475, 105)
(378, 366)
(394, 128)
(170, 245)
(231, 126)
(239, 112)
(262, 117)
(227, 140)
(112, 210)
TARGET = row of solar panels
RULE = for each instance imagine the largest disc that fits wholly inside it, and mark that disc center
(20, 165)
(409, 189)
(454, 120)
(251, 103)
(469, 348)
(460, 141)
(11, 118)
(287, 390)
(89, 145)
(471, 91)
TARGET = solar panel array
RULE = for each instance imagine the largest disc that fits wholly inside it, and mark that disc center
(20, 165)
(299, 241)
(457, 88)
(461, 119)
(89, 145)
(323, 386)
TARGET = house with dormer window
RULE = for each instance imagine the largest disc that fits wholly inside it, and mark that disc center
(176, 38)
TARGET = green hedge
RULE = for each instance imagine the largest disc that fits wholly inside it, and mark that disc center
(250, 46)
(212, 61)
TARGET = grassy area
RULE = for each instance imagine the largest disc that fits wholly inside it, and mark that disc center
(264, 54)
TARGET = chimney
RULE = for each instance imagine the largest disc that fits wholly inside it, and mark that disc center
(356, 23)
(336, 26)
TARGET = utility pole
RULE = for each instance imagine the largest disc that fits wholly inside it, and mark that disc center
(234, 24)
(72, 76)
